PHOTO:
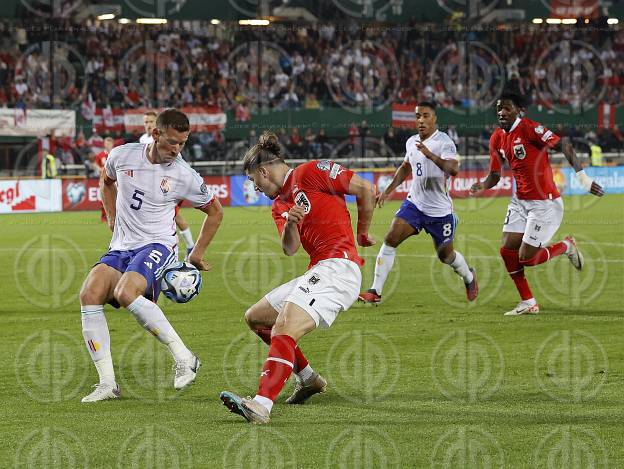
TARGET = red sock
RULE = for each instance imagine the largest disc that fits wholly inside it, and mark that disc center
(516, 272)
(277, 367)
(300, 360)
(546, 254)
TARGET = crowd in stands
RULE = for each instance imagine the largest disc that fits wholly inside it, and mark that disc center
(306, 66)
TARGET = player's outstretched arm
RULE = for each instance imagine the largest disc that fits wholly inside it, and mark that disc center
(490, 181)
(212, 221)
(108, 192)
(565, 145)
(399, 176)
(364, 193)
(290, 236)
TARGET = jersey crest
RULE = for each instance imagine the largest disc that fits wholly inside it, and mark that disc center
(302, 200)
(519, 151)
(165, 185)
(323, 165)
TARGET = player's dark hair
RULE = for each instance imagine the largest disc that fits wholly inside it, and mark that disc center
(513, 97)
(150, 113)
(430, 104)
(266, 151)
(173, 119)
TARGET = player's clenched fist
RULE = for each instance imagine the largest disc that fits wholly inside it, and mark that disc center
(380, 199)
(295, 215)
(365, 240)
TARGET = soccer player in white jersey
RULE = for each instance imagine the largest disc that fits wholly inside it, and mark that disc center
(431, 158)
(141, 185)
(149, 122)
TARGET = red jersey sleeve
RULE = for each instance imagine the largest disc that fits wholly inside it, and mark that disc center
(495, 157)
(280, 214)
(540, 136)
(330, 176)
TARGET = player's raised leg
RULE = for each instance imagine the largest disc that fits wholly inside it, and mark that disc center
(260, 318)
(510, 254)
(399, 231)
(95, 292)
(291, 324)
(141, 276)
(448, 255)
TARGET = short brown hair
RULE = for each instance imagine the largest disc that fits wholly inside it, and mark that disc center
(266, 151)
(149, 113)
(174, 119)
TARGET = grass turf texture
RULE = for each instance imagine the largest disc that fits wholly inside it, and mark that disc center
(424, 380)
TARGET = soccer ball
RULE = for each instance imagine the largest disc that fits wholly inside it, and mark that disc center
(181, 282)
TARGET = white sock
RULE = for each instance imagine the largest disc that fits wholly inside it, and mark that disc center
(265, 401)
(304, 374)
(530, 301)
(460, 266)
(385, 261)
(153, 320)
(97, 340)
(568, 246)
(187, 236)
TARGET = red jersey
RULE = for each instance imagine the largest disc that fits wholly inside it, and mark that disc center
(100, 158)
(525, 147)
(319, 187)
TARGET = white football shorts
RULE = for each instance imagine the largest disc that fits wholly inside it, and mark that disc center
(539, 220)
(325, 290)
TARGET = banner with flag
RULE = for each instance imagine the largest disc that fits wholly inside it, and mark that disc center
(108, 120)
(606, 115)
(88, 107)
(19, 122)
(403, 116)
(202, 119)
(575, 8)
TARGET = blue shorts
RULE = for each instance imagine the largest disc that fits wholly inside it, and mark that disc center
(149, 261)
(441, 229)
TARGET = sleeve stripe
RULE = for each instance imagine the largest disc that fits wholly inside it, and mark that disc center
(546, 136)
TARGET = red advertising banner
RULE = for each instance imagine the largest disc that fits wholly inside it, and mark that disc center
(460, 185)
(84, 194)
(202, 119)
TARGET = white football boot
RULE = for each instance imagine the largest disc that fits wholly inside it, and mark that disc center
(185, 372)
(524, 307)
(102, 392)
(575, 256)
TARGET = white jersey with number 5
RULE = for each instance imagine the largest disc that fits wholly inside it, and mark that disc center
(147, 195)
(430, 185)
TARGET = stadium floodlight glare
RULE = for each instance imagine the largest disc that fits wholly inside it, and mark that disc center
(537, 21)
(151, 20)
(569, 21)
(107, 16)
(613, 21)
(254, 22)
(553, 20)
(124, 21)
(215, 21)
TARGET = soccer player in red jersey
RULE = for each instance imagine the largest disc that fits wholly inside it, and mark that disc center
(535, 211)
(309, 210)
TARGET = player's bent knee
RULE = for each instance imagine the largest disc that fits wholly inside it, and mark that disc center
(125, 295)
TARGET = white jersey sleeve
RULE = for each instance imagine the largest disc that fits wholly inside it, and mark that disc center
(110, 165)
(449, 150)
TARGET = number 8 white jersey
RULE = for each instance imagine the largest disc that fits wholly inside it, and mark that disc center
(430, 185)
(147, 195)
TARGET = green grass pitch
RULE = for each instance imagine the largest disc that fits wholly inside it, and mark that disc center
(424, 380)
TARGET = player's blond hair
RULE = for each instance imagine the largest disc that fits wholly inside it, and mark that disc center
(266, 151)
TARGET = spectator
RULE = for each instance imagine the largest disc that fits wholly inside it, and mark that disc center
(91, 167)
